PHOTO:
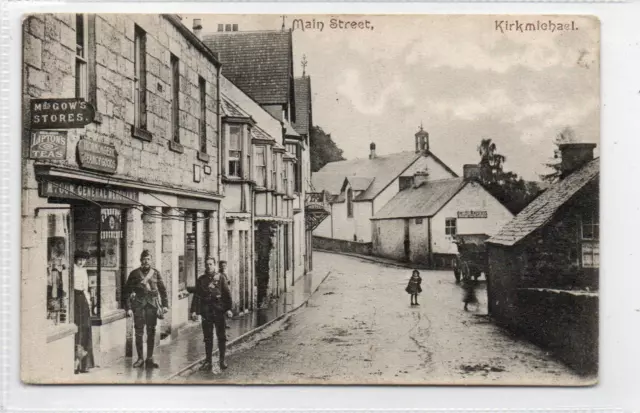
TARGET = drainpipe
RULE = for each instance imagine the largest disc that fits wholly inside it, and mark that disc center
(220, 157)
(293, 253)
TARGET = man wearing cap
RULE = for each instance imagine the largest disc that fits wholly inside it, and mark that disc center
(147, 301)
(211, 300)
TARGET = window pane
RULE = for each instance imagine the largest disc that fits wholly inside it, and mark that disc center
(58, 267)
(234, 138)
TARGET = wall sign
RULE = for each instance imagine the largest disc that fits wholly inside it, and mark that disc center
(48, 144)
(91, 192)
(61, 113)
(97, 156)
(472, 214)
(111, 225)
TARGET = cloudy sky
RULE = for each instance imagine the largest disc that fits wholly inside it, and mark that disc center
(460, 76)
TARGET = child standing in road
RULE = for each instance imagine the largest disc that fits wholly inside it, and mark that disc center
(414, 288)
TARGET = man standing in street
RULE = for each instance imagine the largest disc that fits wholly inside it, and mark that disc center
(222, 269)
(211, 300)
(147, 301)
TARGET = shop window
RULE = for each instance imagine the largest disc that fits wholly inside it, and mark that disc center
(99, 232)
(590, 237)
(235, 150)
(82, 54)
(260, 166)
(450, 226)
(187, 277)
(140, 79)
(58, 254)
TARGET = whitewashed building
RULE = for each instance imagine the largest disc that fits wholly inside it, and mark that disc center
(362, 187)
(420, 222)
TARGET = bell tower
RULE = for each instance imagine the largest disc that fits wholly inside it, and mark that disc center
(422, 140)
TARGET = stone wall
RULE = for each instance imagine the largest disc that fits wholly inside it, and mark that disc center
(49, 72)
(565, 322)
(338, 245)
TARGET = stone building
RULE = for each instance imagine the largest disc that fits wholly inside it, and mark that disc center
(544, 264)
(257, 173)
(145, 173)
(260, 64)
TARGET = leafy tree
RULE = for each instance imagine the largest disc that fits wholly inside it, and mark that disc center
(323, 149)
(566, 135)
(506, 186)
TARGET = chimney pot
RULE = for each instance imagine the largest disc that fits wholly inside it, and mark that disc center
(574, 156)
(197, 28)
(471, 171)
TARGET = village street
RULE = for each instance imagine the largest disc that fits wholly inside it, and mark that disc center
(359, 328)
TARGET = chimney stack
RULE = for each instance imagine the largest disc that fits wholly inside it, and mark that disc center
(420, 178)
(574, 156)
(471, 172)
(372, 150)
(197, 28)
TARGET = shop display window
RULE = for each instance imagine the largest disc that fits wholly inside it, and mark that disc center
(58, 252)
(99, 232)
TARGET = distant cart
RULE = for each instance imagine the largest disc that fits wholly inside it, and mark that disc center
(472, 259)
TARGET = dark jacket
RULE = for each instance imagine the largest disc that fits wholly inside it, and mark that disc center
(211, 297)
(147, 293)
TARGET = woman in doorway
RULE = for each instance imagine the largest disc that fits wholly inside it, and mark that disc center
(82, 314)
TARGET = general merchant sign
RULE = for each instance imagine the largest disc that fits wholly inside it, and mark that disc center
(472, 214)
(49, 144)
(61, 113)
(88, 192)
(97, 156)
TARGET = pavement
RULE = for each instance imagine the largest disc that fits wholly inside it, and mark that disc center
(359, 328)
(183, 354)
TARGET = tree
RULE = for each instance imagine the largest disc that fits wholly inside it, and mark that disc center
(566, 135)
(506, 186)
(323, 149)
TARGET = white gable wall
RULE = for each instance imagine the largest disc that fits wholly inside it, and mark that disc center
(472, 197)
(435, 169)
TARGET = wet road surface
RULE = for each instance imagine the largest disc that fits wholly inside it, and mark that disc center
(359, 328)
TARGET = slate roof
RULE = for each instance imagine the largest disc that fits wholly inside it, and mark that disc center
(258, 133)
(327, 181)
(289, 130)
(358, 183)
(381, 169)
(259, 63)
(542, 209)
(302, 88)
(229, 108)
(424, 201)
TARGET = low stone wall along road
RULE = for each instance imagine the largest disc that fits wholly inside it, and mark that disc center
(359, 328)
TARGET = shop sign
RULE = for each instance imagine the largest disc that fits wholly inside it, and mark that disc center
(68, 113)
(88, 192)
(111, 223)
(472, 214)
(97, 156)
(48, 144)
